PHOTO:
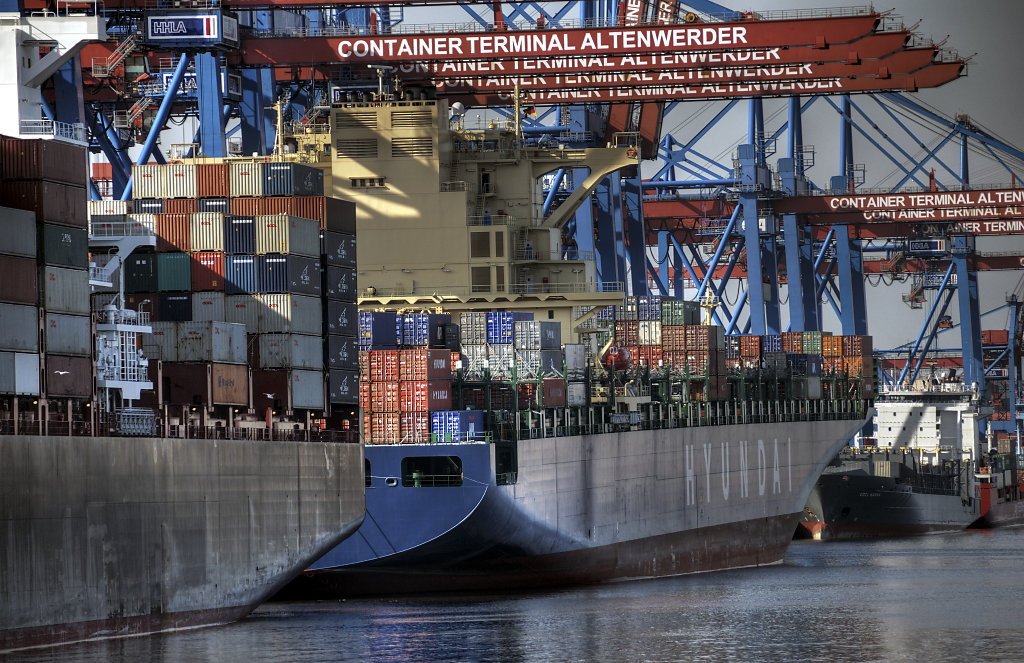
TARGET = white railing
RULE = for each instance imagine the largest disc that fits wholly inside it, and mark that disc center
(64, 130)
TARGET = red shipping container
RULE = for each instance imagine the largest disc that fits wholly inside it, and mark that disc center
(180, 206)
(278, 205)
(385, 428)
(310, 207)
(54, 160)
(245, 206)
(172, 232)
(526, 396)
(212, 180)
(414, 427)
(698, 362)
(651, 355)
(455, 359)
(673, 338)
(424, 364)
(856, 346)
(750, 347)
(384, 396)
(364, 396)
(627, 332)
(553, 392)
(20, 278)
(52, 202)
(367, 428)
(384, 365)
(207, 271)
(998, 337)
(363, 357)
(426, 395)
(792, 341)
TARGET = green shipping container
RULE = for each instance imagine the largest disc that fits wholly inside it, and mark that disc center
(173, 272)
(63, 246)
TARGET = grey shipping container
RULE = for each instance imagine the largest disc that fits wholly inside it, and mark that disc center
(538, 335)
(343, 387)
(342, 352)
(19, 373)
(164, 337)
(243, 309)
(220, 342)
(280, 233)
(340, 284)
(295, 314)
(62, 246)
(20, 325)
(19, 235)
(338, 249)
(341, 318)
(68, 335)
(576, 394)
(474, 328)
(65, 290)
(307, 389)
(285, 178)
(208, 306)
(291, 351)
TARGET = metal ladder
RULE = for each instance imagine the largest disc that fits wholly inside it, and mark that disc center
(101, 67)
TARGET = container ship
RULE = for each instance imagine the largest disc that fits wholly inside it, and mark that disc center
(929, 467)
(154, 482)
(526, 424)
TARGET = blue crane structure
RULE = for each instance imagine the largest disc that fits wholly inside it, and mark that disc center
(690, 220)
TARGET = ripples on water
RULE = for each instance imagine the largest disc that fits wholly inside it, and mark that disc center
(938, 598)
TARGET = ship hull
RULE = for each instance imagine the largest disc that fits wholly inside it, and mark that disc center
(851, 506)
(108, 537)
(583, 509)
(1000, 507)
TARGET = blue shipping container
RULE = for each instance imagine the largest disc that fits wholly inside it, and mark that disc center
(457, 425)
(240, 275)
(148, 205)
(376, 329)
(219, 205)
(272, 273)
(772, 343)
(175, 307)
(239, 234)
(500, 327)
(424, 329)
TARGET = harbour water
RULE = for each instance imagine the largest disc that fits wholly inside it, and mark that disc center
(939, 598)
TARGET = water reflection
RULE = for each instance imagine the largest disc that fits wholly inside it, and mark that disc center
(938, 598)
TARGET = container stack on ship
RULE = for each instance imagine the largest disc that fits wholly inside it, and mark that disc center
(251, 287)
(45, 349)
(110, 439)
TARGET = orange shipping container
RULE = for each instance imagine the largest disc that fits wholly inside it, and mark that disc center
(180, 206)
(384, 365)
(278, 205)
(212, 180)
(414, 427)
(385, 428)
(384, 396)
(673, 338)
(172, 232)
(245, 206)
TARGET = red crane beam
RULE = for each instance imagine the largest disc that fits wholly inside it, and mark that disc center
(868, 48)
(638, 40)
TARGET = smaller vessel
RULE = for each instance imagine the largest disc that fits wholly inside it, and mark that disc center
(917, 475)
(1000, 489)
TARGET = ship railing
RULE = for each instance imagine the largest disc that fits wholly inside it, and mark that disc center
(495, 220)
(63, 130)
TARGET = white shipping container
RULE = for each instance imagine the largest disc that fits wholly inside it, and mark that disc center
(650, 332)
(280, 233)
(246, 178)
(245, 310)
(291, 351)
(576, 394)
(109, 207)
(208, 306)
(165, 338)
(20, 328)
(19, 373)
(206, 231)
(474, 361)
(307, 389)
(290, 314)
(575, 360)
(500, 358)
(19, 235)
(180, 180)
(69, 335)
(148, 181)
(65, 290)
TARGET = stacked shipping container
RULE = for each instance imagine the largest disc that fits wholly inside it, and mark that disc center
(46, 346)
